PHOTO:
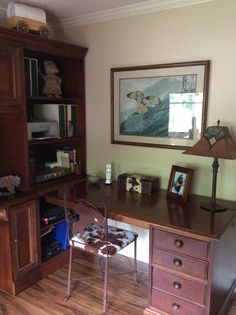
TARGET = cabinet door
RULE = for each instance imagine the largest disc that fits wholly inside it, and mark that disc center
(24, 237)
(11, 78)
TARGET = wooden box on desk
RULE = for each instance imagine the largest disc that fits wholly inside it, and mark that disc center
(138, 183)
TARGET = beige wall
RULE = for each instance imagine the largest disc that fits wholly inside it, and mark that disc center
(206, 31)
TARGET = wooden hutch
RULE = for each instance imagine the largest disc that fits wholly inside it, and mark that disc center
(20, 231)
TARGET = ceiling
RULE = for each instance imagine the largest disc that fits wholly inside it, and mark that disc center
(88, 11)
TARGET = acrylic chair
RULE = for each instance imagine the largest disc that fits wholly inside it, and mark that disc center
(92, 234)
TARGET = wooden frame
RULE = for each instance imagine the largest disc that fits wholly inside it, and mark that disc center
(159, 105)
(179, 183)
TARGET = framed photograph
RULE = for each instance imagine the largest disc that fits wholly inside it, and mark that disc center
(159, 105)
(179, 182)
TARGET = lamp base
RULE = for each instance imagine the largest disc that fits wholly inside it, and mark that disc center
(213, 207)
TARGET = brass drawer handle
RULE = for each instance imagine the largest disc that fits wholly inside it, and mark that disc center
(177, 262)
(179, 243)
(175, 306)
(177, 285)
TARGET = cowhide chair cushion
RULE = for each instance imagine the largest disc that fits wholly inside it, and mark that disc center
(94, 240)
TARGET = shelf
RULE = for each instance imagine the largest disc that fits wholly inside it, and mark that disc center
(47, 228)
(53, 100)
(53, 141)
(50, 265)
(55, 183)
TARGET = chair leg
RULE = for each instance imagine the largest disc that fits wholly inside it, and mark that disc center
(68, 294)
(104, 309)
(135, 261)
(102, 265)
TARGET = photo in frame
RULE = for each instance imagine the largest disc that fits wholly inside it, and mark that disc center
(159, 105)
(179, 183)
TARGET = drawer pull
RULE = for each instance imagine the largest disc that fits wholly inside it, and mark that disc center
(179, 243)
(175, 306)
(177, 285)
(178, 262)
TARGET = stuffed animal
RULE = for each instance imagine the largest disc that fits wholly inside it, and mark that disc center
(52, 85)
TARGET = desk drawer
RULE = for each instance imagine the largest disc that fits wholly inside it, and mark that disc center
(185, 264)
(173, 305)
(181, 287)
(181, 244)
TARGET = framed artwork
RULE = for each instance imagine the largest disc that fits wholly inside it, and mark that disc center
(159, 105)
(179, 182)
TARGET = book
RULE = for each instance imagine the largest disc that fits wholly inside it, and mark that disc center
(31, 76)
(34, 77)
(27, 76)
(71, 121)
(62, 120)
(63, 158)
(67, 157)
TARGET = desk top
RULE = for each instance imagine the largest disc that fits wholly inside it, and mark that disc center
(142, 209)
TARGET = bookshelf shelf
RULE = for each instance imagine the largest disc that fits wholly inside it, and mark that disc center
(47, 100)
(63, 142)
(47, 186)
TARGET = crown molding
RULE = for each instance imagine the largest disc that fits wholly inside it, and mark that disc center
(144, 7)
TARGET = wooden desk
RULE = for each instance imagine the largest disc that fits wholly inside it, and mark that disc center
(192, 251)
(142, 210)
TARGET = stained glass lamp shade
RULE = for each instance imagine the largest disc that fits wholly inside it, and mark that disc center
(216, 142)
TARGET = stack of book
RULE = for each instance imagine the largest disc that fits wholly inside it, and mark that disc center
(67, 158)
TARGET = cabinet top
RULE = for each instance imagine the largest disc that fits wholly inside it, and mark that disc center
(36, 43)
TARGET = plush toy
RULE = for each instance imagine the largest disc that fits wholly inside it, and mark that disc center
(9, 185)
(52, 83)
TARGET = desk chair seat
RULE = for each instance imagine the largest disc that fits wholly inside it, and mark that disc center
(95, 241)
(91, 233)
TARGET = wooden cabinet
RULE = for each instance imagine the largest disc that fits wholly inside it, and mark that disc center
(179, 269)
(11, 75)
(19, 235)
(21, 155)
(24, 237)
(183, 272)
(21, 99)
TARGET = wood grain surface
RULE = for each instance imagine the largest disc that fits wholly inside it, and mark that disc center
(47, 296)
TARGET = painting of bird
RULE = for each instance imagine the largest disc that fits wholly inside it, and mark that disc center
(143, 101)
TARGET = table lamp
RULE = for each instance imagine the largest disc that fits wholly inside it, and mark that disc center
(216, 142)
